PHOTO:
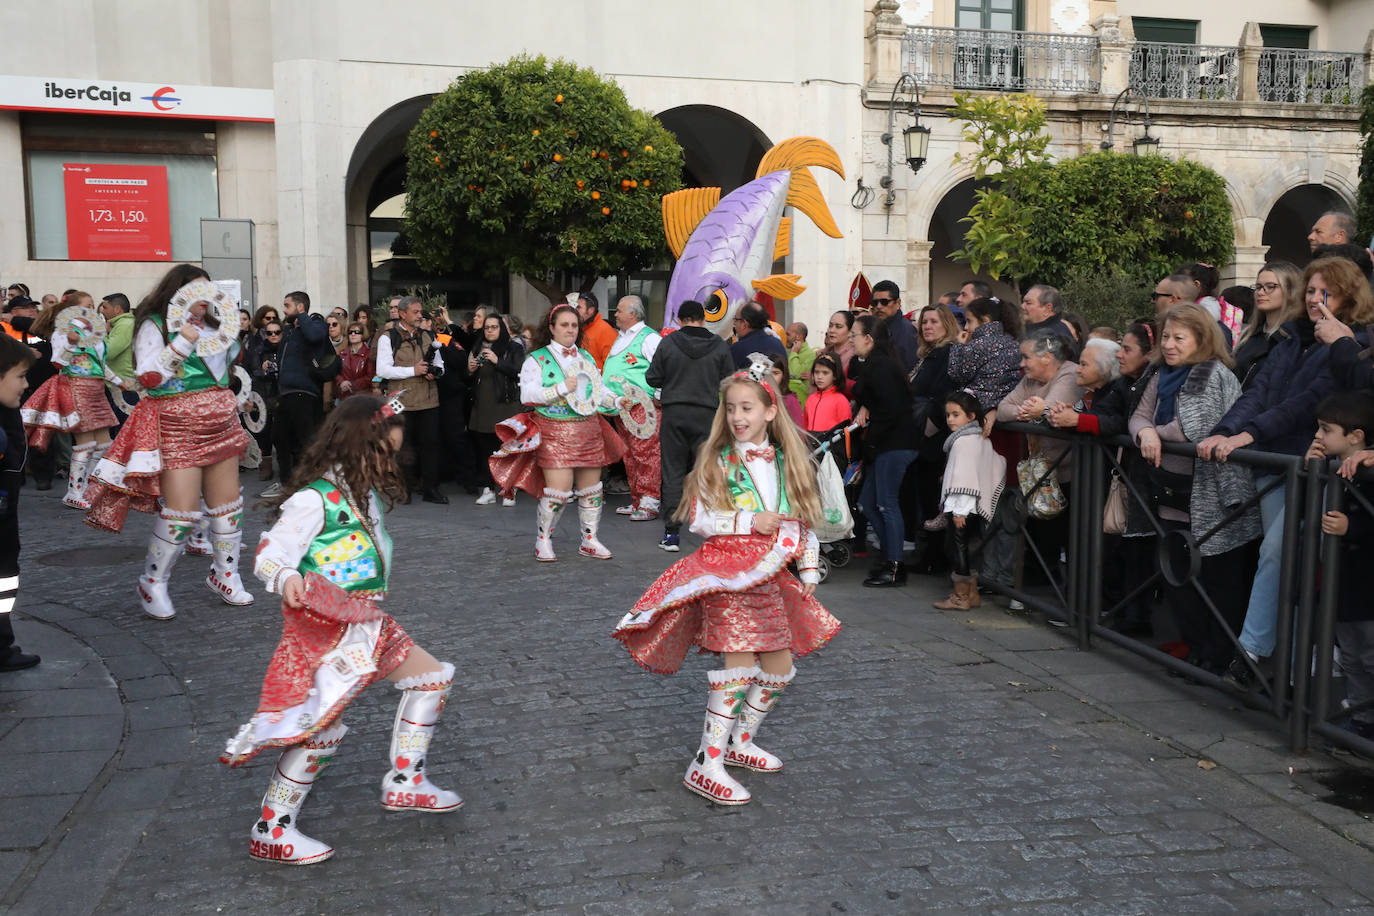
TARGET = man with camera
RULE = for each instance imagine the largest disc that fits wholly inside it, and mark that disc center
(300, 385)
(409, 362)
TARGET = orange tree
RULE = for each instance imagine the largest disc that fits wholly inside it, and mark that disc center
(538, 168)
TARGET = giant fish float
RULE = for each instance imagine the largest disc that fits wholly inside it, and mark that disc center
(725, 248)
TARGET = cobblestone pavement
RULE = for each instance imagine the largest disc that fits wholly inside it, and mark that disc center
(934, 762)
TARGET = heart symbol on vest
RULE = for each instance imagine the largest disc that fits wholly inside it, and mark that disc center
(714, 752)
(334, 497)
(268, 813)
(402, 762)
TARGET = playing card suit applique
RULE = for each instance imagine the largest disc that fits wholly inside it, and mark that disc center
(343, 518)
(788, 543)
(417, 779)
(714, 752)
(268, 813)
(334, 497)
(744, 738)
(701, 758)
(402, 762)
(277, 832)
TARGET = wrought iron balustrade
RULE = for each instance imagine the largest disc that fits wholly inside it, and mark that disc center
(1163, 70)
(1008, 61)
(1314, 77)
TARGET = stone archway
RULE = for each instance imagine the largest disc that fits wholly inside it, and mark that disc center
(1290, 219)
(946, 234)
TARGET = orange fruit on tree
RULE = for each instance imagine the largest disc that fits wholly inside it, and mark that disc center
(436, 158)
(648, 148)
(633, 183)
(646, 182)
(536, 131)
(580, 184)
(624, 183)
(596, 195)
(605, 211)
(434, 133)
(624, 154)
(1187, 214)
(557, 157)
(558, 99)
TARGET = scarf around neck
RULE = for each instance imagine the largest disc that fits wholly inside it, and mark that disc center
(967, 429)
(1171, 379)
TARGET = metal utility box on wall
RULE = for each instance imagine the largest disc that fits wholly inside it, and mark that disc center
(226, 253)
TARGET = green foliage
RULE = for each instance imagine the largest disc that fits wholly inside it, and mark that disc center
(1009, 132)
(1109, 297)
(1137, 215)
(1364, 196)
(494, 165)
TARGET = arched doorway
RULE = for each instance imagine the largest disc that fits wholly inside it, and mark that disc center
(720, 149)
(1290, 220)
(380, 263)
(946, 234)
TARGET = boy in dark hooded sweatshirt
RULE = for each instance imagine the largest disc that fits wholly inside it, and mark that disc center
(15, 359)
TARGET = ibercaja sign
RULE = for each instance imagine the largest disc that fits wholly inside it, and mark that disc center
(154, 100)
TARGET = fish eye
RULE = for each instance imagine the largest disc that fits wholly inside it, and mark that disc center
(716, 305)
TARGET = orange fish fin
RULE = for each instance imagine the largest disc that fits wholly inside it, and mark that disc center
(805, 194)
(783, 246)
(682, 211)
(781, 286)
(799, 152)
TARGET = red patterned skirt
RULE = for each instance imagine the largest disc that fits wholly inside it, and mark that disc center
(531, 442)
(733, 595)
(66, 403)
(197, 429)
(290, 708)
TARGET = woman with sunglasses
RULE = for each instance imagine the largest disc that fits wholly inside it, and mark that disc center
(358, 365)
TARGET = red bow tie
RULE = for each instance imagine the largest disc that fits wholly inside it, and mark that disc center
(765, 453)
(569, 352)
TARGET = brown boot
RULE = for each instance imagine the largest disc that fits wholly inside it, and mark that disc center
(959, 601)
(265, 469)
(974, 599)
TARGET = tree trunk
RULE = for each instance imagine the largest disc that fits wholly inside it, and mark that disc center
(551, 292)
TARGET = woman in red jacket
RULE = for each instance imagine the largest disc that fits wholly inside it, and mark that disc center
(355, 375)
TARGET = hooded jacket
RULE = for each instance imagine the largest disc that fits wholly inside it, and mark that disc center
(688, 367)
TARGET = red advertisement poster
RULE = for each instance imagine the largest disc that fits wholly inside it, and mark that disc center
(117, 212)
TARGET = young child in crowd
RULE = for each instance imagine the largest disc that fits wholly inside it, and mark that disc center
(782, 379)
(15, 359)
(827, 408)
(753, 495)
(974, 477)
(1345, 426)
(328, 556)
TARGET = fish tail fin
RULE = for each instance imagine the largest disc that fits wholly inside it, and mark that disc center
(783, 246)
(804, 193)
(780, 286)
(682, 211)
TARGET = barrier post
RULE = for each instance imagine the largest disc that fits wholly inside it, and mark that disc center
(1301, 667)
(1326, 607)
(1288, 561)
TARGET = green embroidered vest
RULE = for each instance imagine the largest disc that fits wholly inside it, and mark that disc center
(551, 374)
(84, 362)
(629, 365)
(347, 551)
(744, 492)
(193, 375)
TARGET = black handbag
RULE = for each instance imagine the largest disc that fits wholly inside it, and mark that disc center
(1168, 489)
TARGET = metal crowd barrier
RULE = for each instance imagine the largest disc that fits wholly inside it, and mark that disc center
(1297, 687)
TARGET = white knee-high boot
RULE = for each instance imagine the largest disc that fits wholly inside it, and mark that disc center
(405, 786)
(276, 836)
(551, 506)
(589, 503)
(706, 774)
(226, 537)
(198, 543)
(762, 697)
(165, 546)
(77, 474)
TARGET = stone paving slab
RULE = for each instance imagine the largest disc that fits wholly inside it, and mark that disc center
(935, 762)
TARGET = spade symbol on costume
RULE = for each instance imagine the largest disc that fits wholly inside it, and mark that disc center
(285, 820)
(343, 518)
(262, 826)
(398, 778)
(701, 758)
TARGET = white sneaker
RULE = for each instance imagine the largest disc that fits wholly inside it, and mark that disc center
(274, 490)
(487, 498)
(507, 501)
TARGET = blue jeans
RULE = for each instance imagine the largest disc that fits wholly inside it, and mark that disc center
(1261, 617)
(879, 498)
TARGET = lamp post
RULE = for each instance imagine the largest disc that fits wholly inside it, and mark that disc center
(915, 138)
(1140, 146)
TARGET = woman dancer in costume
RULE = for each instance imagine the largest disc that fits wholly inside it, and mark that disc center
(73, 401)
(572, 448)
(328, 556)
(753, 496)
(183, 440)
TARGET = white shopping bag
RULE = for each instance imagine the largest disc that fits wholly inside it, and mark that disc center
(839, 522)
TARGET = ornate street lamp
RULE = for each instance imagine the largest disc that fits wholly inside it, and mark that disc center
(1140, 146)
(915, 138)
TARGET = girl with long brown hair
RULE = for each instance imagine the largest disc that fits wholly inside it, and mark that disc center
(753, 495)
(328, 555)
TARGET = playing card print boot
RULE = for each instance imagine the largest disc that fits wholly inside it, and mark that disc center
(406, 787)
(589, 503)
(226, 536)
(77, 472)
(762, 697)
(706, 774)
(276, 836)
(551, 506)
(168, 540)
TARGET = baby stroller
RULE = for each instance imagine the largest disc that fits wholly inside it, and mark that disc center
(834, 533)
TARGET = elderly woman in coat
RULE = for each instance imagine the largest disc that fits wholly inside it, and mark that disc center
(1185, 400)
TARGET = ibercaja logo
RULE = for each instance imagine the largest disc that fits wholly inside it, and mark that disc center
(165, 99)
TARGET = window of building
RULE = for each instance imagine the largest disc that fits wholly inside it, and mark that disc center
(172, 165)
(1175, 31)
(1003, 15)
(1286, 36)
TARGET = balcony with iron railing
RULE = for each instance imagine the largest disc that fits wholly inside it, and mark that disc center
(1055, 64)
